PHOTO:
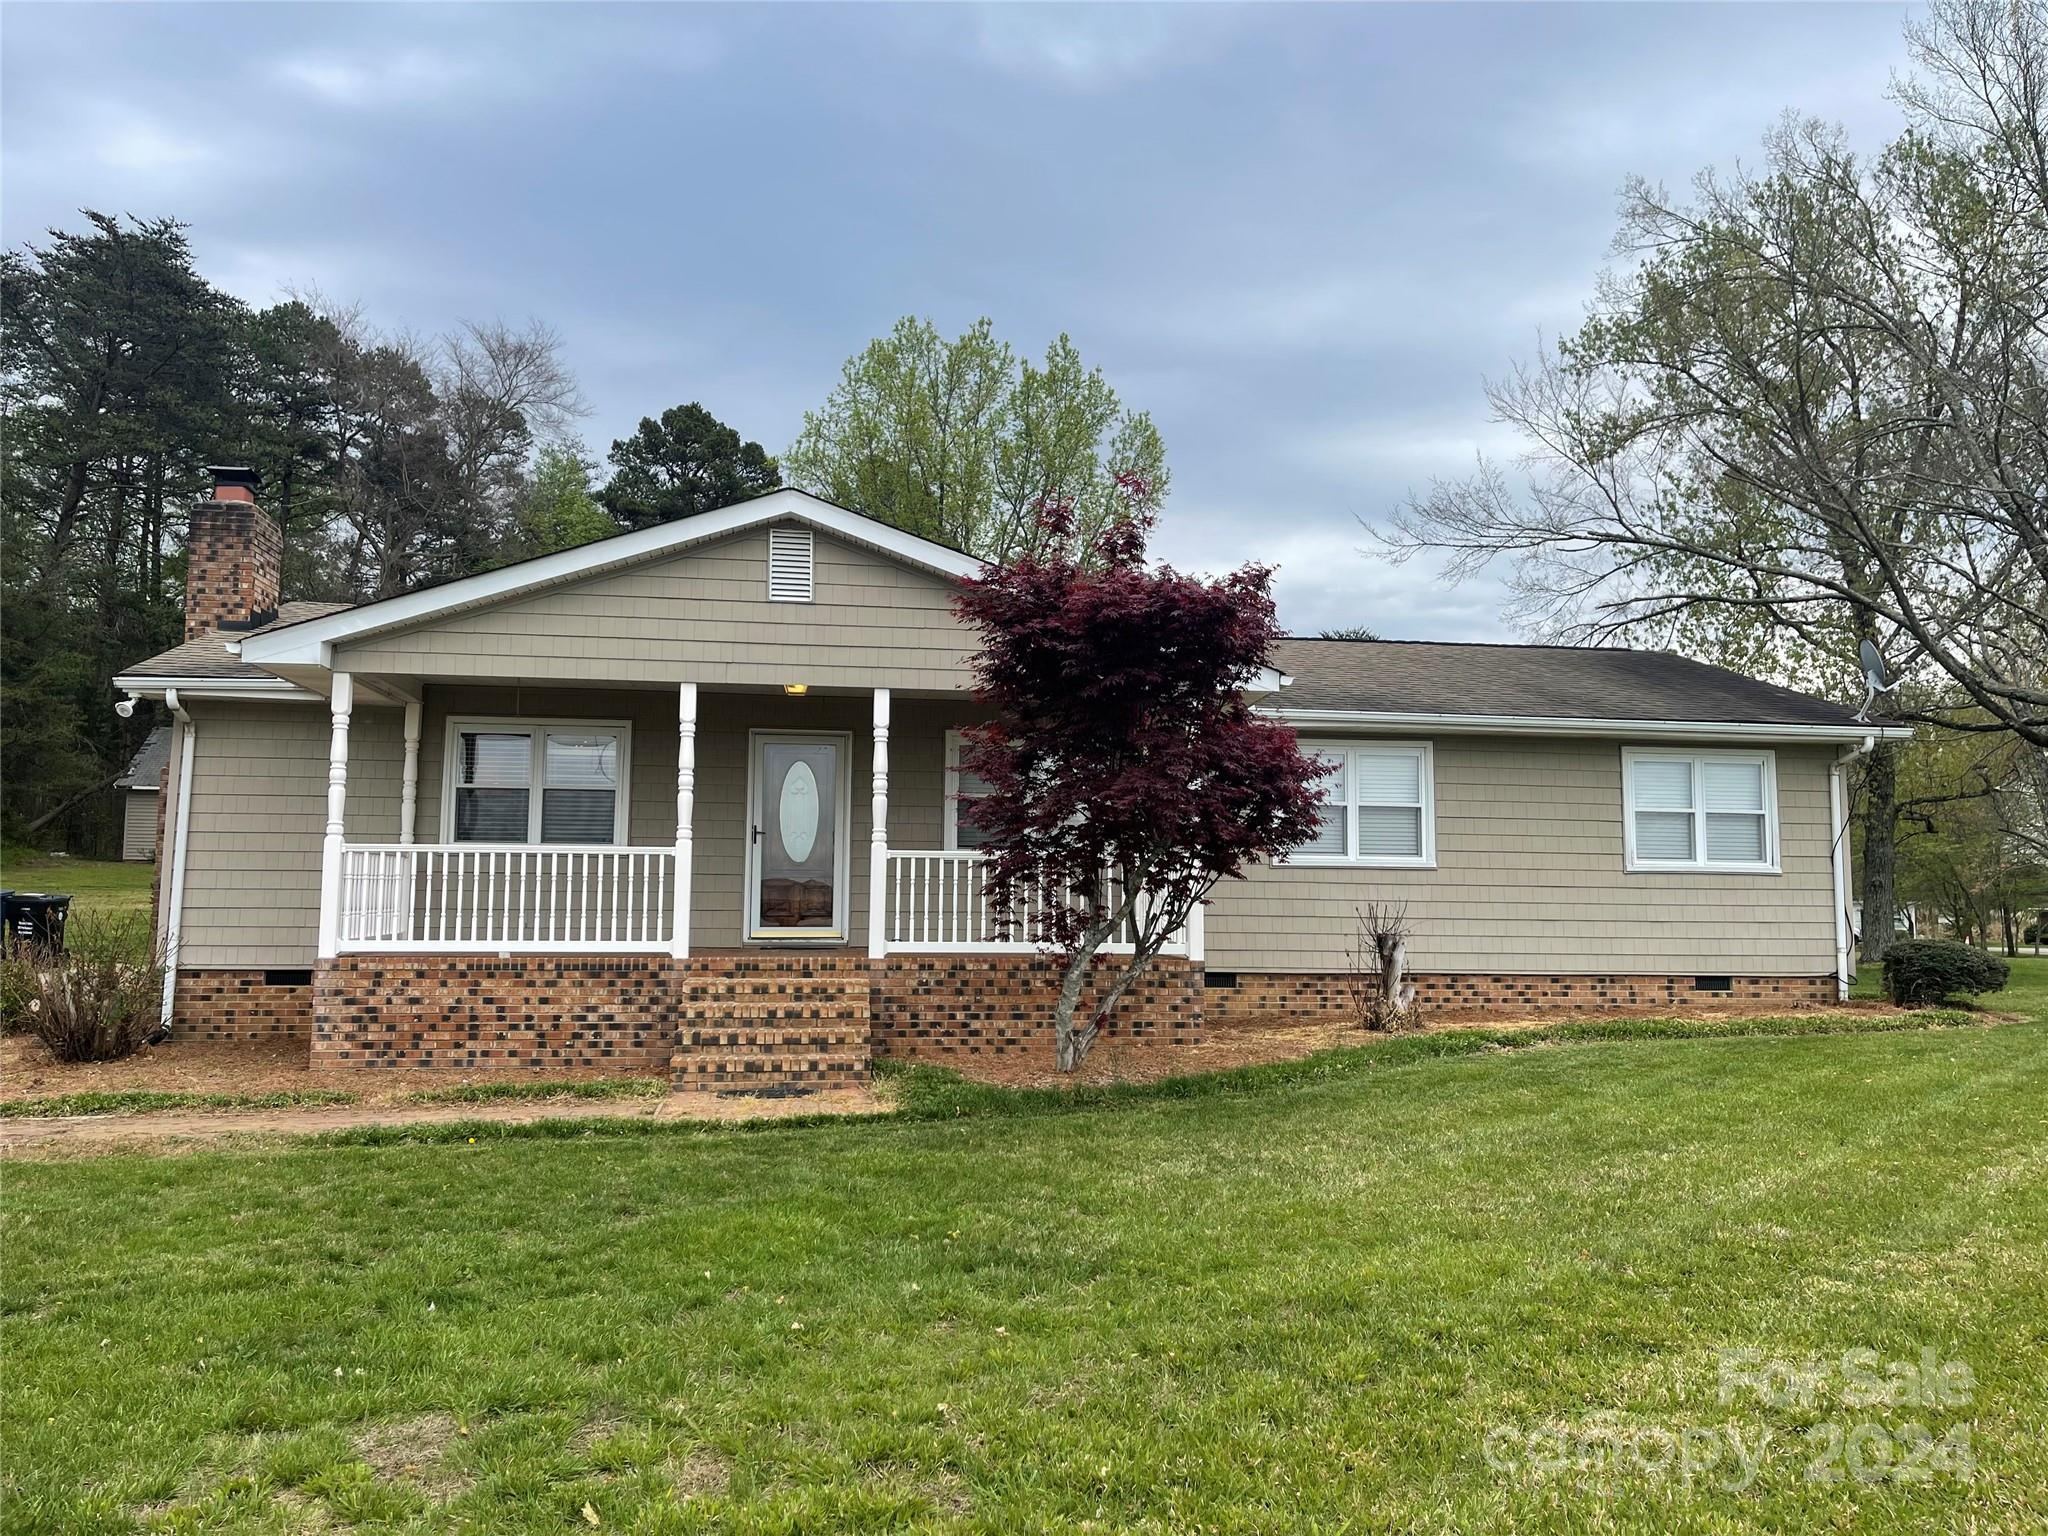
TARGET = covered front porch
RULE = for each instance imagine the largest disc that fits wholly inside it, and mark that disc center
(546, 819)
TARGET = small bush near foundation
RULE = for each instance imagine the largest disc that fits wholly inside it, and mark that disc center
(1929, 970)
(98, 999)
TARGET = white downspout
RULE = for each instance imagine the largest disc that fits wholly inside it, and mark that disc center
(1838, 858)
(181, 833)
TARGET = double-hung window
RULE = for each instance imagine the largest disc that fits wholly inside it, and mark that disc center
(1701, 810)
(961, 788)
(1378, 805)
(536, 781)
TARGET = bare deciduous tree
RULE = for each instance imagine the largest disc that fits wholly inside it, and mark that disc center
(1813, 409)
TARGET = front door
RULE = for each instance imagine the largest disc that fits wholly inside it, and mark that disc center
(796, 837)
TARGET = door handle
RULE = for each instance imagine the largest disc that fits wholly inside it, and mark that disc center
(757, 835)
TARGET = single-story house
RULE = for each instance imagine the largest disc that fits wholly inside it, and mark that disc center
(140, 788)
(692, 794)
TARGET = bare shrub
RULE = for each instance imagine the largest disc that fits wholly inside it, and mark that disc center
(99, 998)
(1376, 970)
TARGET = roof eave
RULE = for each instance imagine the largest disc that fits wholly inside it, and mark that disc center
(154, 686)
(1541, 725)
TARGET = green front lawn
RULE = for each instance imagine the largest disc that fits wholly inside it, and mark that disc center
(1316, 1300)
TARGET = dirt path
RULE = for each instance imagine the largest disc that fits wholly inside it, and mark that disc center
(166, 1130)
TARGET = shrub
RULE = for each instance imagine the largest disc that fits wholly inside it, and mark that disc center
(17, 986)
(96, 1000)
(1928, 970)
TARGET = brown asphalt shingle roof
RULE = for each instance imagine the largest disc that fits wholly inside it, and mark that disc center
(1373, 677)
(1540, 681)
(207, 656)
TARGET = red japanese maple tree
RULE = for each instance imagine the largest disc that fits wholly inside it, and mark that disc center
(1126, 773)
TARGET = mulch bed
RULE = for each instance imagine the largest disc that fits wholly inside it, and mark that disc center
(258, 1067)
(1256, 1039)
(27, 1071)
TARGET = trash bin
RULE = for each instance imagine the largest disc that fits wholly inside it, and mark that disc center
(36, 918)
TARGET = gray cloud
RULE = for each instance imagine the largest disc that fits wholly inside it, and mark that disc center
(1300, 237)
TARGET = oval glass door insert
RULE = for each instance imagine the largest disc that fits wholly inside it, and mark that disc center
(797, 812)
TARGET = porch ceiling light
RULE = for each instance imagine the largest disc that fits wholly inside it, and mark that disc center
(796, 690)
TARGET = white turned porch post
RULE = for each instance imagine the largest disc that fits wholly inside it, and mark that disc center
(686, 810)
(1197, 933)
(878, 835)
(409, 786)
(342, 702)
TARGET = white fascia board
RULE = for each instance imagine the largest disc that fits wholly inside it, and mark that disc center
(311, 642)
(1538, 725)
(255, 688)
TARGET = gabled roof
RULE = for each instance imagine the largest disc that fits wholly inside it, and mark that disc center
(1418, 680)
(146, 768)
(311, 641)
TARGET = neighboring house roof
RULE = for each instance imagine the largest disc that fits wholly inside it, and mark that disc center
(146, 768)
(208, 658)
(307, 641)
(1416, 679)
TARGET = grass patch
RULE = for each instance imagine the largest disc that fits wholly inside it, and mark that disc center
(109, 888)
(1302, 1307)
(137, 1101)
(922, 1092)
(524, 1091)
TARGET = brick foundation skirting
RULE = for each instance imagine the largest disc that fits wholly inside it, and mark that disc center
(793, 1021)
(471, 1011)
(936, 1006)
(1328, 993)
(240, 1005)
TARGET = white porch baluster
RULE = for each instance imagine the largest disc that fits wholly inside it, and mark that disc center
(342, 702)
(878, 835)
(686, 805)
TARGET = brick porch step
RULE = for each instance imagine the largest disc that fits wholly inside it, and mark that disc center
(774, 1022)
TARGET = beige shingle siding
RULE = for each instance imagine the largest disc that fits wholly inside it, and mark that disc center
(259, 810)
(704, 615)
(1530, 879)
(1529, 840)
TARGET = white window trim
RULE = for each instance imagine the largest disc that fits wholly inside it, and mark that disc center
(955, 740)
(1699, 864)
(536, 727)
(1426, 752)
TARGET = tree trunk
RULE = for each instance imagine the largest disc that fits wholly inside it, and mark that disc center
(1880, 848)
(1071, 1044)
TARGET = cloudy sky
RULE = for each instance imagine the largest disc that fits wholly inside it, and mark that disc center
(1300, 237)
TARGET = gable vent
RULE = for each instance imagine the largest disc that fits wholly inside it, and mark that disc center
(789, 565)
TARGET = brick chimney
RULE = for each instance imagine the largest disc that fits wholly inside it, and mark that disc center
(233, 557)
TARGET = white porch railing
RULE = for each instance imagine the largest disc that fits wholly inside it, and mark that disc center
(938, 903)
(455, 897)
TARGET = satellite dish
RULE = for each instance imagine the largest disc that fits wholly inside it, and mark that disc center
(1874, 681)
